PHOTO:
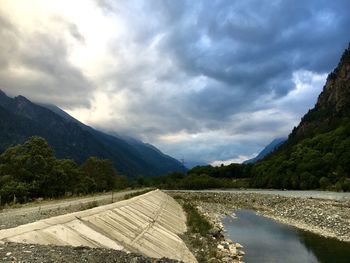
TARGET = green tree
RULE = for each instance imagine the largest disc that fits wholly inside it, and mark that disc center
(101, 172)
(30, 165)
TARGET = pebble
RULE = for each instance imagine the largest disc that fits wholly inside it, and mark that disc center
(49, 254)
(239, 246)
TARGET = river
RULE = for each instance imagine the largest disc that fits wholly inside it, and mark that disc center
(268, 241)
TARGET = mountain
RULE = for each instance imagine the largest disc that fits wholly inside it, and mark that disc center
(21, 118)
(267, 150)
(151, 156)
(333, 104)
(317, 152)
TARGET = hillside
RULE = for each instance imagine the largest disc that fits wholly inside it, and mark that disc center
(333, 104)
(20, 119)
(267, 150)
(317, 152)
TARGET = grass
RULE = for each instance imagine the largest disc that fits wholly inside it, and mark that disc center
(89, 205)
(131, 195)
(195, 221)
(198, 227)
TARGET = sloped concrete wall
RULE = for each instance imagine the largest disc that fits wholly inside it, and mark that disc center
(148, 224)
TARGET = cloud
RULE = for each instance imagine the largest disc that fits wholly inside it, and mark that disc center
(202, 80)
(35, 63)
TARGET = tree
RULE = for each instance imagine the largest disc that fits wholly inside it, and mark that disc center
(30, 165)
(101, 172)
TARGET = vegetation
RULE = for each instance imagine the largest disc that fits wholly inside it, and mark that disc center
(322, 161)
(205, 177)
(30, 170)
(198, 228)
(200, 177)
(131, 195)
(195, 221)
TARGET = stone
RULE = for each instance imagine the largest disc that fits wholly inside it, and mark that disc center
(214, 260)
(215, 232)
(220, 247)
(233, 249)
(239, 246)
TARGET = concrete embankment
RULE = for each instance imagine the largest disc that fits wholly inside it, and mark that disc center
(147, 224)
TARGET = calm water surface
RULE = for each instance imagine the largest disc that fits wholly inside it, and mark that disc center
(267, 241)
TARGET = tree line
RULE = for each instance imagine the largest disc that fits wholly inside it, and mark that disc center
(30, 170)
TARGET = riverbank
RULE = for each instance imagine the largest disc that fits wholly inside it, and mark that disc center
(328, 218)
(205, 236)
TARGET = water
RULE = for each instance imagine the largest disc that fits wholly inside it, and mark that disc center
(267, 241)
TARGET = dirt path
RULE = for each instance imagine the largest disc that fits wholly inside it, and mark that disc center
(18, 216)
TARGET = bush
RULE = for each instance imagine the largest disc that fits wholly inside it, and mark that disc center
(325, 183)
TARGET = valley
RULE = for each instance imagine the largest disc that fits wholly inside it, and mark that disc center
(174, 131)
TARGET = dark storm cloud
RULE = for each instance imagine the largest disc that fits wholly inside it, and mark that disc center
(248, 53)
(253, 43)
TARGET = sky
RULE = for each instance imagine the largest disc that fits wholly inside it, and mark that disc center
(207, 81)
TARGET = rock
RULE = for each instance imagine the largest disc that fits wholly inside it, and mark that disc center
(214, 260)
(135, 260)
(215, 232)
(220, 247)
(233, 250)
(8, 254)
(239, 246)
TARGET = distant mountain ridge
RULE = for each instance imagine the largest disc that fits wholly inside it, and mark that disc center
(21, 118)
(267, 150)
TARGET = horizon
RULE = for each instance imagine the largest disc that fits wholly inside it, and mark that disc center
(200, 87)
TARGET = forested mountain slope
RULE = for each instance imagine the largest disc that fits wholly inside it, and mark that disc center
(21, 119)
(317, 152)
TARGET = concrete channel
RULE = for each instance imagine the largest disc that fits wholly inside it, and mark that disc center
(148, 224)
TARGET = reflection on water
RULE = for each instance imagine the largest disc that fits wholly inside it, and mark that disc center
(267, 241)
